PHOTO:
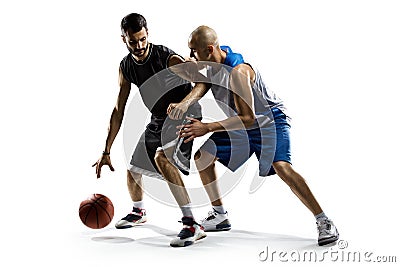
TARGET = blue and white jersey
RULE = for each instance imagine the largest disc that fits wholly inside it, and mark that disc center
(264, 98)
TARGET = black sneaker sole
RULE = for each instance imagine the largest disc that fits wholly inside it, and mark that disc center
(124, 227)
(187, 243)
(327, 241)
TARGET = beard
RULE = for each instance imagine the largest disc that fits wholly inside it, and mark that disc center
(138, 52)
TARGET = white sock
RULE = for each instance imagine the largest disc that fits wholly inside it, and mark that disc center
(138, 204)
(187, 210)
(220, 209)
(321, 216)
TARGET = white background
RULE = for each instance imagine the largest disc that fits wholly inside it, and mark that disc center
(335, 63)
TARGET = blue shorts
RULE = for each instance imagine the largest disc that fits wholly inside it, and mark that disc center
(282, 129)
(270, 144)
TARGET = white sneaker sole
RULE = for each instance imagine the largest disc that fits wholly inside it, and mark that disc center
(185, 243)
(122, 224)
(222, 226)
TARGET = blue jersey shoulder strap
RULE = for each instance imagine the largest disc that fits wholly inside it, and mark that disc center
(232, 59)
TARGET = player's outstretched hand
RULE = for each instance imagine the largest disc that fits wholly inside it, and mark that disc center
(103, 160)
(195, 129)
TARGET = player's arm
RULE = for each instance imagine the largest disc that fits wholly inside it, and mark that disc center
(240, 83)
(176, 110)
(241, 86)
(117, 116)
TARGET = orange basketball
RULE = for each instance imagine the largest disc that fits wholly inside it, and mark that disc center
(97, 211)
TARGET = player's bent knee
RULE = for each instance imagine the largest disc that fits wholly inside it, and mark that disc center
(282, 168)
(160, 158)
(133, 176)
(197, 155)
(204, 160)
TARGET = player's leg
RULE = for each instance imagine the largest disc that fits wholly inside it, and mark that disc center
(175, 182)
(138, 213)
(205, 164)
(217, 218)
(134, 183)
(327, 230)
(231, 149)
(298, 185)
(191, 231)
(140, 163)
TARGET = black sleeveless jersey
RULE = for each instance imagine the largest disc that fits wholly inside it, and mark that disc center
(155, 88)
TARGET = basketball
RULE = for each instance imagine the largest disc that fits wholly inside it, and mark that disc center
(96, 211)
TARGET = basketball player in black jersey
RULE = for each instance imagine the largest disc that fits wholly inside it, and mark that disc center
(149, 158)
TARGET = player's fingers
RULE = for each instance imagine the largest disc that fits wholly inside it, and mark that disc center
(173, 105)
(180, 115)
(111, 167)
(171, 108)
(98, 172)
(186, 129)
(183, 130)
(192, 119)
(187, 134)
(173, 114)
(176, 114)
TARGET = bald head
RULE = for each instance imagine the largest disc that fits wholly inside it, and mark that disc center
(203, 36)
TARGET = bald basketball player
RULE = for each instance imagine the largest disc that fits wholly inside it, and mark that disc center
(254, 104)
